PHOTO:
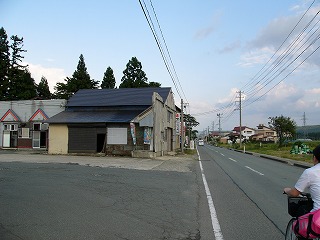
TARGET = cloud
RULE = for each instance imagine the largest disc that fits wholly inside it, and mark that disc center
(257, 56)
(286, 99)
(313, 91)
(53, 75)
(231, 47)
(204, 32)
(279, 35)
(208, 30)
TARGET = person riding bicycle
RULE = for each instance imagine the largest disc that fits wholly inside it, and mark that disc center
(310, 179)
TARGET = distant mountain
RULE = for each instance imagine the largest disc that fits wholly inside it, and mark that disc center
(309, 129)
(312, 132)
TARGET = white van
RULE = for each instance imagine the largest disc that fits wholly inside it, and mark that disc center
(200, 142)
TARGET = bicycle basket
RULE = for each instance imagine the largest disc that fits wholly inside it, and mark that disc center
(298, 206)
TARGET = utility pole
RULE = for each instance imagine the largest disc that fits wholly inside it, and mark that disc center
(240, 109)
(182, 130)
(219, 116)
(304, 119)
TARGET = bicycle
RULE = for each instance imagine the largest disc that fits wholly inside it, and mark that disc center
(297, 206)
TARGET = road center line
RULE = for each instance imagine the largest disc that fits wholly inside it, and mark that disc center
(254, 170)
(233, 159)
(222, 154)
(214, 219)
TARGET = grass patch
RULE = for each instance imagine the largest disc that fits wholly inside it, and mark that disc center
(187, 151)
(274, 150)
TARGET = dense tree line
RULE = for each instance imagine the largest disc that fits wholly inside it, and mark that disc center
(16, 82)
(133, 77)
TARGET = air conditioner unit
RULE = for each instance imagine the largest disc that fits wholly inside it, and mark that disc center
(44, 126)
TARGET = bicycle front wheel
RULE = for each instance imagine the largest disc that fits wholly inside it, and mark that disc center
(289, 231)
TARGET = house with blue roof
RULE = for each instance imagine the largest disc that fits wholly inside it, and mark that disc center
(124, 121)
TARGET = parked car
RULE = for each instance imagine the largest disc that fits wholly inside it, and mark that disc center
(200, 142)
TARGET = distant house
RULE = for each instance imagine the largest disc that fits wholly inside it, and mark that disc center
(21, 122)
(125, 121)
(246, 132)
(264, 134)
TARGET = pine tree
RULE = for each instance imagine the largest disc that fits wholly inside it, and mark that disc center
(109, 80)
(43, 90)
(79, 80)
(133, 75)
(16, 57)
(24, 88)
(4, 64)
(21, 85)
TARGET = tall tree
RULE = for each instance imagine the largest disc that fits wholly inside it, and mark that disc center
(133, 75)
(79, 80)
(61, 90)
(21, 85)
(4, 63)
(109, 80)
(24, 87)
(17, 50)
(43, 90)
(284, 127)
(190, 122)
(154, 84)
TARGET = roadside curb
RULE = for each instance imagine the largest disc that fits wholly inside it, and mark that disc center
(278, 159)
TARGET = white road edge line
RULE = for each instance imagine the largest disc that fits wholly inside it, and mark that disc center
(254, 170)
(214, 219)
(233, 159)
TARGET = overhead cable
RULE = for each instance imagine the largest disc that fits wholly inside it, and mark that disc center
(162, 52)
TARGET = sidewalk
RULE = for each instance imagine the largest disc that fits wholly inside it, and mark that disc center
(178, 163)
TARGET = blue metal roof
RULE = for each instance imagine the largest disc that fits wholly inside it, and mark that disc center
(116, 97)
(107, 105)
(119, 116)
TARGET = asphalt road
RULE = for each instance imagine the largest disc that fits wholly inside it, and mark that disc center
(247, 192)
(74, 197)
(83, 197)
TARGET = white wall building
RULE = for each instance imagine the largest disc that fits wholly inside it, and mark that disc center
(21, 123)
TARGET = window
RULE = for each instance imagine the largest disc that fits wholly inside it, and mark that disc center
(10, 127)
(169, 116)
(37, 126)
(25, 132)
(117, 136)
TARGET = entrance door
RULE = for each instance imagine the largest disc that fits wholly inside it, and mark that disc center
(100, 141)
(13, 139)
(43, 139)
(36, 139)
(10, 139)
(6, 139)
(169, 139)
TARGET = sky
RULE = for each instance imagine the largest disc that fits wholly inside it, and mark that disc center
(211, 51)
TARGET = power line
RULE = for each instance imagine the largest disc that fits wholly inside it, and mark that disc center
(257, 74)
(278, 67)
(284, 58)
(285, 76)
(162, 52)
(165, 44)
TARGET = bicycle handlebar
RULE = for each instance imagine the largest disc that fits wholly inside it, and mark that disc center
(304, 194)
